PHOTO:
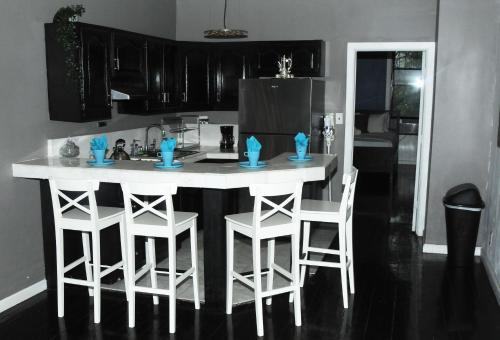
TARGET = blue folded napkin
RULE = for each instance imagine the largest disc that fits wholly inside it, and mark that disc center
(168, 145)
(99, 143)
(301, 141)
(253, 144)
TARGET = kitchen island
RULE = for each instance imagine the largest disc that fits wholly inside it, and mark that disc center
(218, 182)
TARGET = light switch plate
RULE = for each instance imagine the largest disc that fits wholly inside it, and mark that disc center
(339, 118)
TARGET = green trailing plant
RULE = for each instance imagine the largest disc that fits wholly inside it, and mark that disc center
(67, 36)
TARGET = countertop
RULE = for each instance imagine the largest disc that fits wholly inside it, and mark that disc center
(199, 175)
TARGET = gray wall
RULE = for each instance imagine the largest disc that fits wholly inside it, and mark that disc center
(492, 241)
(335, 21)
(25, 124)
(466, 103)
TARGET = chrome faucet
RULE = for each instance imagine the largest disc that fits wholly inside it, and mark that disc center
(146, 141)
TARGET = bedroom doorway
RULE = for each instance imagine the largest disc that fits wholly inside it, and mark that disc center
(388, 127)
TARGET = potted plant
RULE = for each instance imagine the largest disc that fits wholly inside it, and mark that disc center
(65, 19)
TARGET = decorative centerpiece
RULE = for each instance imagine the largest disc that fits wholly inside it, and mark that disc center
(285, 67)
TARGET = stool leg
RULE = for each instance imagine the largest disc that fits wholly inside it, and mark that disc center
(123, 247)
(131, 279)
(258, 286)
(350, 254)
(96, 250)
(295, 277)
(171, 284)
(194, 263)
(305, 250)
(229, 269)
(86, 254)
(152, 260)
(343, 264)
(60, 271)
(270, 262)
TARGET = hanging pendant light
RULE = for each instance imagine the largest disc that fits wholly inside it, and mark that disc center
(225, 33)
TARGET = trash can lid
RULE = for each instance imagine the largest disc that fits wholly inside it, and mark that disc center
(464, 195)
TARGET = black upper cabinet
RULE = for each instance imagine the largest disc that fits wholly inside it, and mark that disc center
(161, 75)
(156, 98)
(83, 97)
(128, 57)
(229, 64)
(194, 62)
(307, 57)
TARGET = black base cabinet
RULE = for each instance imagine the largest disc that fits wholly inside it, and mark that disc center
(161, 75)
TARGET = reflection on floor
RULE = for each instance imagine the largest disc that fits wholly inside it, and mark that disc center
(400, 294)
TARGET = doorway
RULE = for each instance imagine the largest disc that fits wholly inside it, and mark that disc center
(380, 159)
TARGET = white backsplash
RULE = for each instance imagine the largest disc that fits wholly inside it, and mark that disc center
(209, 136)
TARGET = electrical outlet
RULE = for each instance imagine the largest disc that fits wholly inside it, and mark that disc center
(339, 118)
(101, 124)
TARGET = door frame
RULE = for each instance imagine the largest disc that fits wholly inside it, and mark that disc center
(425, 121)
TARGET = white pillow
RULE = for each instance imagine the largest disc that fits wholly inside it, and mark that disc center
(378, 123)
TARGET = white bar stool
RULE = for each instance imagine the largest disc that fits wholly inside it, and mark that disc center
(267, 225)
(332, 212)
(147, 221)
(90, 219)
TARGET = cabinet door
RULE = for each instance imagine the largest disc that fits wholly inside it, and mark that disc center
(171, 80)
(230, 65)
(266, 59)
(195, 85)
(129, 61)
(307, 58)
(95, 91)
(156, 76)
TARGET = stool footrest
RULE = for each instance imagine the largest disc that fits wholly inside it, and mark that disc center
(243, 279)
(184, 276)
(78, 282)
(282, 271)
(319, 263)
(323, 251)
(74, 264)
(149, 290)
(278, 291)
(112, 268)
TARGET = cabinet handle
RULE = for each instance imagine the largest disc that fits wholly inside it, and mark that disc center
(184, 97)
(109, 99)
(163, 97)
(117, 64)
(312, 61)
(244, 69)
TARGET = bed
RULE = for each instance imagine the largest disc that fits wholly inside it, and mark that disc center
(375, 144)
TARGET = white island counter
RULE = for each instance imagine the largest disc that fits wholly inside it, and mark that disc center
(198, 175)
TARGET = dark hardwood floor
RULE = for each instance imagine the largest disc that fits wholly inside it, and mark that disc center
(400, 294)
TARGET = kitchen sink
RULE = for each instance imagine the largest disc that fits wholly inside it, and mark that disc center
(216, 160)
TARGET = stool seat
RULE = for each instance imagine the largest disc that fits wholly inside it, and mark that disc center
(319, 207)
(180, 218)
(274, 226)
(103, 213)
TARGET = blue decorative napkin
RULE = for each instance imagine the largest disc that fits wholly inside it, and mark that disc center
(301, 141)
(168, 145)
(99, 143)
(253, 144)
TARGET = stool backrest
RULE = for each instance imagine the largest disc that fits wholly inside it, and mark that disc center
(349, 182)
(163, 192)
(261, 192)
(62, 191)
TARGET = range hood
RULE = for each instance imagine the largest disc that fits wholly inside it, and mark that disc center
(118, 94)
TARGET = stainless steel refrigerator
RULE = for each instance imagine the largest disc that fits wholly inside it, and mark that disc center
(274, 110)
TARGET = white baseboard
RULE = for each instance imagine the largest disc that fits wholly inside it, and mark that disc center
(22, 295)
(494, 282)
(443, 249)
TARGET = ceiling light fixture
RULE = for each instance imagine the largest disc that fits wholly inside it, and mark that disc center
(225, 33)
